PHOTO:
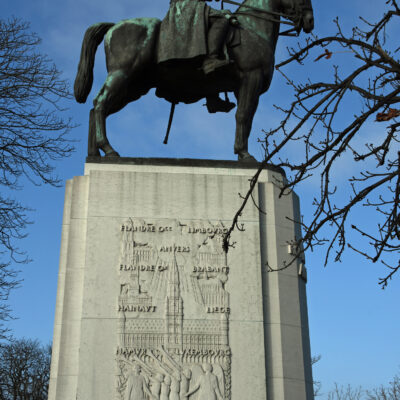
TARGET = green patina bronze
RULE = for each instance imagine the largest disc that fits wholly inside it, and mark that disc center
(256, 25)
(195, 52)
(183, 31)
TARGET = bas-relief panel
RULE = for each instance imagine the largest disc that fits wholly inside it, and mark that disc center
(173, 312)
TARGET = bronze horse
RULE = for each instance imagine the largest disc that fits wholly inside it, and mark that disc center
(130, 48)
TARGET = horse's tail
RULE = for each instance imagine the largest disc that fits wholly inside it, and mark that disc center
(84, 78)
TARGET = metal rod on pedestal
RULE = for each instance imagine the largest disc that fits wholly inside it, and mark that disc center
(171, 117)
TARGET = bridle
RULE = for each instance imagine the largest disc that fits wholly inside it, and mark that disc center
(274, 16)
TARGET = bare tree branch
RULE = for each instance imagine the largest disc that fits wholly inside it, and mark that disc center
(24, 370)
(32, 136)
(319, 119)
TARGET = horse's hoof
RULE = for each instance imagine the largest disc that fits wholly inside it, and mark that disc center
(112, 153)
(246, 157)
(106, 148)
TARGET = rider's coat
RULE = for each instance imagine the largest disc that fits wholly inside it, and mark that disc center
(183, 31)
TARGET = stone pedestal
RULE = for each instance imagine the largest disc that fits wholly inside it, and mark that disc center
(149, 306)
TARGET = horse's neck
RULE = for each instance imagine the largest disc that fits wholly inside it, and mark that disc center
(264, 4)
(263, 26)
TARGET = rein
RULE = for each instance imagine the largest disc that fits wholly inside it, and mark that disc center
(264, 18)
(290, 32)
(278, 14)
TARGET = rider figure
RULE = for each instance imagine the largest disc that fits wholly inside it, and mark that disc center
(217, 32)
(192, 30)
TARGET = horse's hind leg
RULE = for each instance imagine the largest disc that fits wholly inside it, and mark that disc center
(92, 147)
(111, 98)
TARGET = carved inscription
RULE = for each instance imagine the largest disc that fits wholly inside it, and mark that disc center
(132, 308)
(173, 308)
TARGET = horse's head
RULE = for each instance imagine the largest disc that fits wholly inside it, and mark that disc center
(299, 11)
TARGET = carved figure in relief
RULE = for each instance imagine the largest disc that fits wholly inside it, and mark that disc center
(184, 373)
(175, 386)
(165, 388)
(185, 383)
(136, 386)
(156, 382)
(207, 385)
(173, 374)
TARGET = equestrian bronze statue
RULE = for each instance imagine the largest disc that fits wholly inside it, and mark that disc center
(195, 52)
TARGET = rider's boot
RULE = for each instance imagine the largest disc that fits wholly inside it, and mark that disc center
(216, 104)
(216, 38)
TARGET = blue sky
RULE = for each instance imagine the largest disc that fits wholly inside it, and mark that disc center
(354, 325)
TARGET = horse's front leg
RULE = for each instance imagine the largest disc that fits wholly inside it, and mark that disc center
(247, 100)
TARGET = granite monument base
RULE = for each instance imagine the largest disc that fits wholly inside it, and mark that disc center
(149, 306)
